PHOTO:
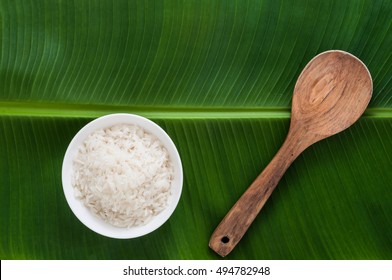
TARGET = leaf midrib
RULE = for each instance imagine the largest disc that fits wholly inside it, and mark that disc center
(163, 112)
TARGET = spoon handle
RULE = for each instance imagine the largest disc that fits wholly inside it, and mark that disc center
(236, 222)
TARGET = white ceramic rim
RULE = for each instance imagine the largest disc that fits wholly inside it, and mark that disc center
(84, 214)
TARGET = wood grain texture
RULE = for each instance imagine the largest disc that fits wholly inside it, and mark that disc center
(331, 93)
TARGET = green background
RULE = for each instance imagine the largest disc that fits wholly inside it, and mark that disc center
(218, 76)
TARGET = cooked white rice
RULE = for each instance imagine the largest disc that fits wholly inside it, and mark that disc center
(123, 174)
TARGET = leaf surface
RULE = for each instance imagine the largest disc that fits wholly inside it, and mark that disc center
(218, 76)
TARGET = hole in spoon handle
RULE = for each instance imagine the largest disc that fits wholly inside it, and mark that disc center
(222, 244)
(225, 239)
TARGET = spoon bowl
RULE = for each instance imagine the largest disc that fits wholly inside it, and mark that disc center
(331, 93)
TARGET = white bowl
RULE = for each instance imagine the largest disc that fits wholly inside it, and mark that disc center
(84, 214)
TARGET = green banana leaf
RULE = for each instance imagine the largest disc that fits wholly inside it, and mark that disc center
(218, 76)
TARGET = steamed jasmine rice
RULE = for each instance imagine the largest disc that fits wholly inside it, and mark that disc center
(123, 174)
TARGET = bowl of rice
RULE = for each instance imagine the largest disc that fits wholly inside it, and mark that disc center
(122, 176)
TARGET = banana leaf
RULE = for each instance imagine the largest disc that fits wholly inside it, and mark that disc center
(218, 76)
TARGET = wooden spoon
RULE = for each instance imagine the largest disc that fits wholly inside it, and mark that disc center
(331, 93)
